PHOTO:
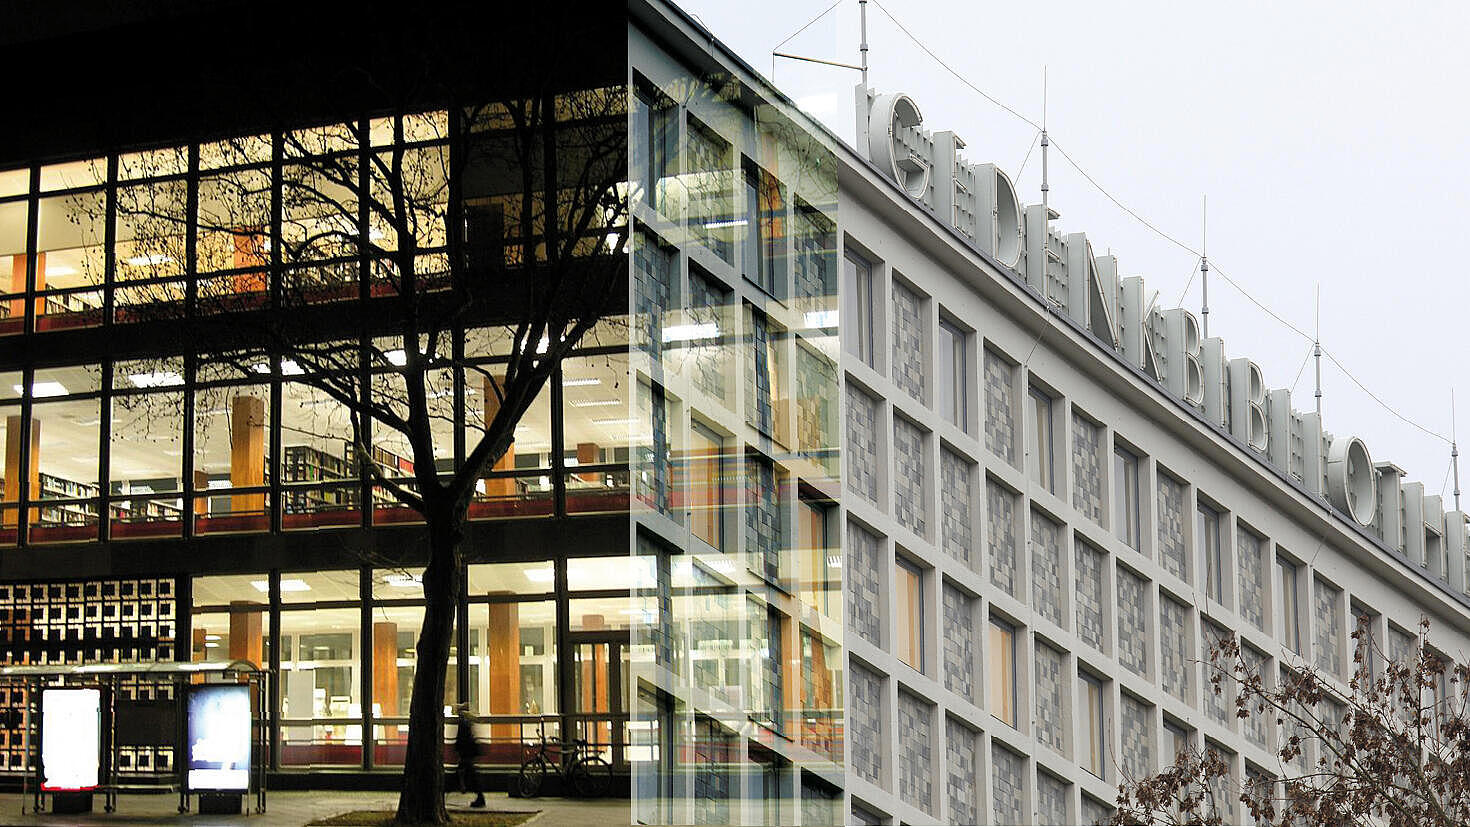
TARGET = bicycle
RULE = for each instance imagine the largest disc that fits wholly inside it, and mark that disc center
(589, 774)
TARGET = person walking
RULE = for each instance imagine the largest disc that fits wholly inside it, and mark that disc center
(467, 749)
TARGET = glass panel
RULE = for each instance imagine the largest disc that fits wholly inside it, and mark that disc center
(13, 260)
(146, 465)
(231, 441)
(395, 631)
(321, 483)
(234, 217)
(820, 573)
(513, 673)
(1002, 677)
(89, 173)
(242, 633)
(313, 586)
(64, 440)
(320, 700)
(70, 254)
(908, 611)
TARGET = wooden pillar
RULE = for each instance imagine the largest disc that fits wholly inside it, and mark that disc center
(247, 452)
(249, 251)
(200, 650)
(18, 283)
(595, 689)
(505, 668)
(498, 487)
(13, 464)
(246, 625)
(587, 454)
(385, 669)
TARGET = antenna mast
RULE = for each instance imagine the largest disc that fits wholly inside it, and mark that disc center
(1454, 450)
(863, 44)
(1317, 350)
(1204, 264)
(1045, 188)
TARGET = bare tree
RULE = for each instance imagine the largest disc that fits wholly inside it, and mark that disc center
(1393, 749)
(357, 259)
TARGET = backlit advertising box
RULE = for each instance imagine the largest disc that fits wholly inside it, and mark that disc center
(71, 738)
(219, 738)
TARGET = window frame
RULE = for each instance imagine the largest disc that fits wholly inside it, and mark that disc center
(1002, 677)
(1042, 422)
(1127, 518)
(909, 605)
(953, 371)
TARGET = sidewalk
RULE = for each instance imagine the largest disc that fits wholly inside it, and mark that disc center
(298, 808)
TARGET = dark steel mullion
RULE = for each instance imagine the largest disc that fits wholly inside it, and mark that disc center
(191, 369)
(565, 692)
(558, 446)
(33, 221)
(462, 636)
(277, 506)
(23, 489)
(109, 241)
(273, 715)
(104, 453)
(365, 679)
(365, 342)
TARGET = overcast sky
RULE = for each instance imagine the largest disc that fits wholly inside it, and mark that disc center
(1330, 138)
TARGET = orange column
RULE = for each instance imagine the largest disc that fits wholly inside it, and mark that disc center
(201, 652)
(595, 675)
(13, 464)
(18, 283)
(505, 668)
(498, 487)
(247, 452)
(587, 454)
(246, 640)
(385, 668)
(249, 250)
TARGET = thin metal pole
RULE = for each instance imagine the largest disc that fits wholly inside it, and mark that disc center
(1045, 189)
(1317, 349)
(1454, 450)
(1204, 264)
(863, 44)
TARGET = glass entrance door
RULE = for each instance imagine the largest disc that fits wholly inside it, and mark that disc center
(600, 679)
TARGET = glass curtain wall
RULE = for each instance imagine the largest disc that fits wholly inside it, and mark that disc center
(736, 619)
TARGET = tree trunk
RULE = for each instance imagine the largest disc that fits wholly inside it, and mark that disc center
(421, 801)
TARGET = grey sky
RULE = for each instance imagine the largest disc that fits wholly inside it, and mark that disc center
(1330, 138)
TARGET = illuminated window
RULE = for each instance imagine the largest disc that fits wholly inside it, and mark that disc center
(763, 251)
(653, 144)
(706, 485)
(819, 587)
(1095, 723)
(908, 586)
(1001, 649)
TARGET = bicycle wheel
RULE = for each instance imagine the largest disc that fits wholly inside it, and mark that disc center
(591, 777)
(528, 781)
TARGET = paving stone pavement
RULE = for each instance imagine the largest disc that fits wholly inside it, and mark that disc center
(300, 807)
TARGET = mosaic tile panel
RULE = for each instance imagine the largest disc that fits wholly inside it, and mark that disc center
(962, 784)
(652, 282)
(956, 521)
(1090, 597)
(1132, 622)
(712, 746)
(1050, 689)
(1051, 799)
(1096, 812)
(656, 467)
(908, 341)
(862, 444)
(1007, 786)
(1000, 406)
(910, 500)
(759, 411)
(959, 642)
(706, 364)
(1250, 559)
(763, 517)
(1087, 469)
(1175, 649)
(864, 584)
(1260, 784)
(1223, 794)
(1221, 707)
(1327, 628)
(816, 410)
(1004, 542)
(1046, 569)
(708, 157)
(815, 256)
(915, 733)
(1172, 521)
(865, 722)
(1255, 726)
(1138, 739)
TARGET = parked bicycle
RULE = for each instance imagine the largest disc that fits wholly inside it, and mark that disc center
(590, 776)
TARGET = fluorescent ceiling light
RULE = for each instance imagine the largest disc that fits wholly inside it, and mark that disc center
(623, 421)
(60, 270)
(691, 332)
(597, 403)
(155, 379)
(820, 318)
(580, 383)
(152, 259)
(716, 225)
(211, 637)
(290, 368)
(403, 581)
(41, 389)
(396, 357)
(288, 584)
